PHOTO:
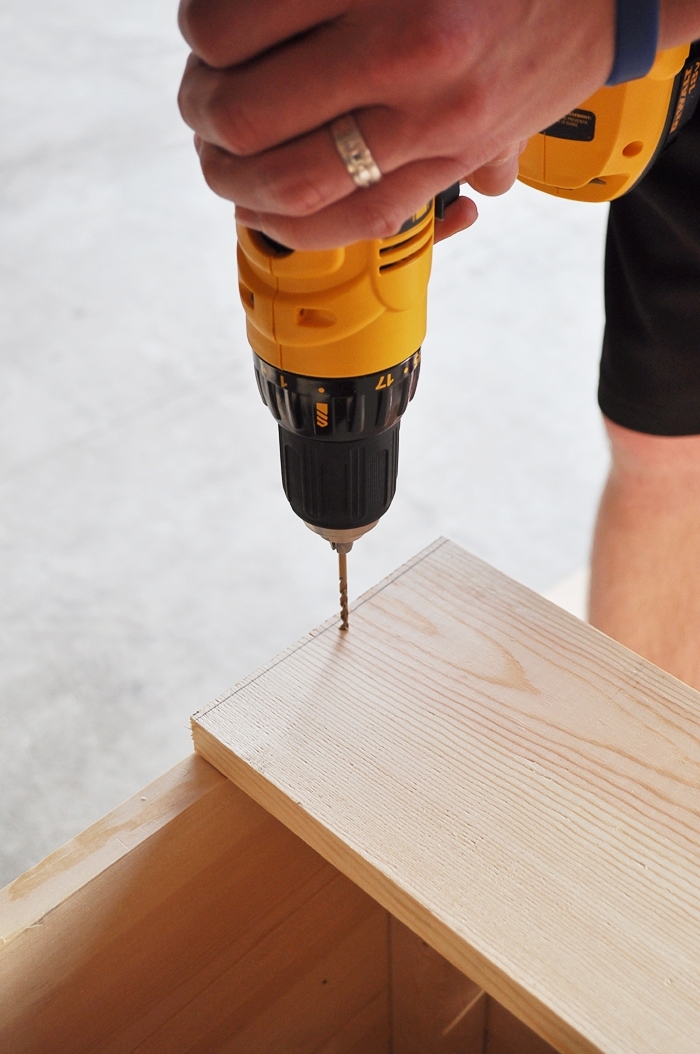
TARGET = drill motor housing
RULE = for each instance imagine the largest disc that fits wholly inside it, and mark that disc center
(602, 149)
(336, 337)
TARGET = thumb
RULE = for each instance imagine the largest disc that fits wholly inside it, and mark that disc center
(498, 175)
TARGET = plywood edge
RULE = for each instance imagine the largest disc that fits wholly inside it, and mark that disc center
(29, 898)
(330, 623)
(522, 1003)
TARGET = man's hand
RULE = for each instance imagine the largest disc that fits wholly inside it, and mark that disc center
(439, 88)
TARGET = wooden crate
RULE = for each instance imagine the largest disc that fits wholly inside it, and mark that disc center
(190, 920)
(469, 826)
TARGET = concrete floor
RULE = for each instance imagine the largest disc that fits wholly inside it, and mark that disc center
(148, 558)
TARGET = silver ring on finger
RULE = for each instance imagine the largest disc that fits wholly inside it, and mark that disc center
(354, 152)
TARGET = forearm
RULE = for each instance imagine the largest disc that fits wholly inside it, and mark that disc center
(680, 22)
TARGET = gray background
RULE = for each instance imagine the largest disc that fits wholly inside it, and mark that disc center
(148, 558)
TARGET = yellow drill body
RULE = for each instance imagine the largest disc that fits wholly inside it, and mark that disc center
(603, 147)
(343, 312)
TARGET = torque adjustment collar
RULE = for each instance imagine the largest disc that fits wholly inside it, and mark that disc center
(338, 408)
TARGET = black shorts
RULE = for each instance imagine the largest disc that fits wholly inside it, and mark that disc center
(650, 367)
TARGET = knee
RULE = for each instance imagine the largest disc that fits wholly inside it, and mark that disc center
(637, 455)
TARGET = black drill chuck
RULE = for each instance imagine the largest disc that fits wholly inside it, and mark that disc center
(339, 440)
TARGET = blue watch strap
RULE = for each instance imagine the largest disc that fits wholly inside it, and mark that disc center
(636, 39)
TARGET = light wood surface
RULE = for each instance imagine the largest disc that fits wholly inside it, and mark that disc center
(189, 920)
(517, 789)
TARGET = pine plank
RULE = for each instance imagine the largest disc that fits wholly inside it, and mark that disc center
(513, 786)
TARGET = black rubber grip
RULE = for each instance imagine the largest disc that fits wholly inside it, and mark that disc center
(340, 485)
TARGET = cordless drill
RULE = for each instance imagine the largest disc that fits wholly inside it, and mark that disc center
(336, 338)
(336, 334)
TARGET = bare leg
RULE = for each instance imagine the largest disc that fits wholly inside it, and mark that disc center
(645, 567)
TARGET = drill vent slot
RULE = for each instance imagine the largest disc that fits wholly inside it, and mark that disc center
(402, 247)
(315, 318)
(404, 260)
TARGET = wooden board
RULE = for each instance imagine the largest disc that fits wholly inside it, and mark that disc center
(190, 920)
(520, 791)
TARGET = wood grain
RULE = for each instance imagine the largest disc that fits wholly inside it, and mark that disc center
(189, 920)
(517, 789)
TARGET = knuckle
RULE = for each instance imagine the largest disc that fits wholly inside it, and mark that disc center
(183, 19)
(231, 124)
(244, 135)
(478, 108)
(202, 30)
(184, 101)
(382, 220)
(467, 126)
(467, 114)
(298, 195)
(434, 49)
(210, 162)
(443, 48)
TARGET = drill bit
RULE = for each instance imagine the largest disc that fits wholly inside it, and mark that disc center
(342, 549)
(343, 576)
